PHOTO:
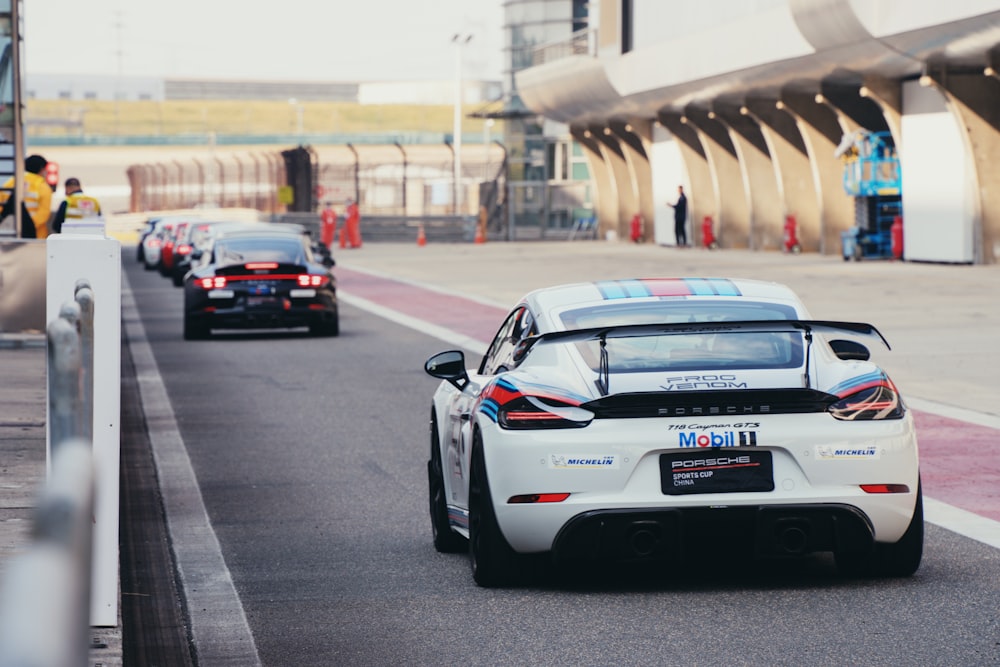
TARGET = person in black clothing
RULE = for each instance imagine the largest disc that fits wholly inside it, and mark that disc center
(680, 216)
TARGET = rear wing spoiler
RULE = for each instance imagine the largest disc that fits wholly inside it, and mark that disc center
(641, 330)
(602, 334)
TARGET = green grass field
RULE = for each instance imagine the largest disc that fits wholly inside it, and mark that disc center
(241, 117)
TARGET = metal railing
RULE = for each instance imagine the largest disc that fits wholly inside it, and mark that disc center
(45, 602)
(580, 43)
(389, 180)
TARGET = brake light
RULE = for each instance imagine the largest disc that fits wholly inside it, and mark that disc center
(529, 498)
(879, 401)
(307, 280)
(183, 249)
(256, 266)
(530, 412)
(155, 243)
(215, 282)
(885, 488)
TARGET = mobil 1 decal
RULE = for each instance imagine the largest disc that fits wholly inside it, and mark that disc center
(722, 435)
(716, 471)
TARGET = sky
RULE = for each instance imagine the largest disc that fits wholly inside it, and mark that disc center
(296, 40)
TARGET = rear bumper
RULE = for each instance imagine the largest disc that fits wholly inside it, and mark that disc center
(672, 533)
(238, 318)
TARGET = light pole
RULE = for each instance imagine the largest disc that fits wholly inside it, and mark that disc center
(487, 126)
(459, 41)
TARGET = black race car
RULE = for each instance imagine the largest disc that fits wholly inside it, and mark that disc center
(260, 279)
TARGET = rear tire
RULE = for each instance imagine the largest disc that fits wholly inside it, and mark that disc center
(328, 328)
(494, 563)
(194, 330)
(445, 539)
(900, 559)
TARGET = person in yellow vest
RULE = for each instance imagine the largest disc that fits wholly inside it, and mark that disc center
(37, 205)
(76, 206)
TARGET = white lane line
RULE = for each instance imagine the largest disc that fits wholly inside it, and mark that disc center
(441, 333)
(941, 514)
(219, 625)
(427, 286)
(952, 412)
(963, 522)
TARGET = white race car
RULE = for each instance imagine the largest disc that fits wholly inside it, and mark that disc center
(643, 420)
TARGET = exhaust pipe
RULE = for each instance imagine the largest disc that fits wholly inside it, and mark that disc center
(793, 539)
(644, 537)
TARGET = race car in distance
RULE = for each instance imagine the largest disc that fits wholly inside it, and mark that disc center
(657, 419)
(260, 279)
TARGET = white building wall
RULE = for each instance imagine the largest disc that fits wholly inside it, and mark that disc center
(938, 185)
(667, 172)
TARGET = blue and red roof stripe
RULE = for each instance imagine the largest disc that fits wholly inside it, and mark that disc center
(631, 289)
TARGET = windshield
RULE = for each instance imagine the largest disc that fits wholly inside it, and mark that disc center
(701, 351)
(284, 250)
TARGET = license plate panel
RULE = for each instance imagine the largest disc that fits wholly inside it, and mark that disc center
(261, 301)
(716, 471)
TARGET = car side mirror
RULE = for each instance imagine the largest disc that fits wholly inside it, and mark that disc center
(850, 350)
(448, 366)
(327, 261)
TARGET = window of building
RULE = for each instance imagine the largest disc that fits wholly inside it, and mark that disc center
(626, 19)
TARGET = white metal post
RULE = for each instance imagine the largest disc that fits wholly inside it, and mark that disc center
(83, 252)
(460, 41)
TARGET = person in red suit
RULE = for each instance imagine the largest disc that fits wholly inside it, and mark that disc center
(352, 224)
(328, 225)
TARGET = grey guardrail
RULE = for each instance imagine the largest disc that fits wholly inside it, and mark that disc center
(45, 592)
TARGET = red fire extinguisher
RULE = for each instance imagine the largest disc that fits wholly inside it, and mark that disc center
(708, 234)
(896, 231)
(636, 228)
(792, 244)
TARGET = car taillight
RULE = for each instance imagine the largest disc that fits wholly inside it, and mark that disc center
(885, 488)
(183, 249)
(880, 401)
(215, 282)
(307, 280)
(529, 498)
(155, 243)
(530, 412)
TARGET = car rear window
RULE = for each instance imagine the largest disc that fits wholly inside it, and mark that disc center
(257, 249)
(703, 351)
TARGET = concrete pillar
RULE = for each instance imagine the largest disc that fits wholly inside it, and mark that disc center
(793, 171)
(626, 197)
(605, 196)
(887, 94)
(701, 189)
(822, 132)
(760, 186)
(853, 111)
(975, 100)
(733, 222)
(635, 137)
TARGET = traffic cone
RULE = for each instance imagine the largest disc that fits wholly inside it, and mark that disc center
(421, 236)
(480, 237)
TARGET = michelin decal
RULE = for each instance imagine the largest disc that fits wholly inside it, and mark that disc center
(607, 462)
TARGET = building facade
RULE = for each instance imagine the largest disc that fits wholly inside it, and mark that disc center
(746, 104)
(549, 179)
